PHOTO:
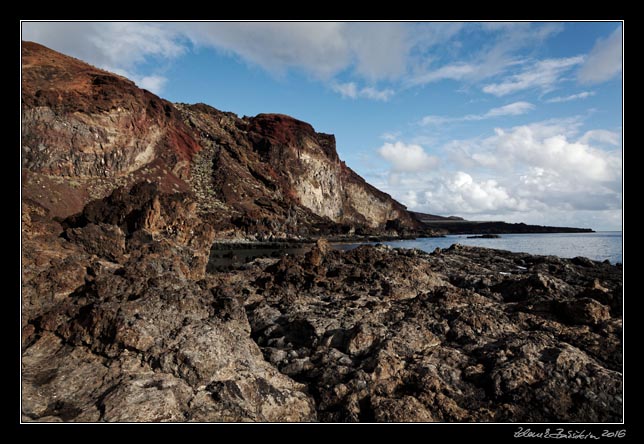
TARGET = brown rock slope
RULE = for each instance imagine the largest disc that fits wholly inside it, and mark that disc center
(466, 334)
(87, 131)
(279, 175)
(121, 323)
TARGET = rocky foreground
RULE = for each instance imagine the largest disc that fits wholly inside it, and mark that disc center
(121, 322)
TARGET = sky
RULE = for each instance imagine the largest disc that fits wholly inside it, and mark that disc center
(519, 122)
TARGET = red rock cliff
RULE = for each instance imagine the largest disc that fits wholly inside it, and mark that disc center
(86, 131)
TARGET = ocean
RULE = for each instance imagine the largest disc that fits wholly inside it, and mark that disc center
(598, 246)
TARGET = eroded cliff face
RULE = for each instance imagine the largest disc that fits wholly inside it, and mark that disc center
(87, 131)
(284, 159)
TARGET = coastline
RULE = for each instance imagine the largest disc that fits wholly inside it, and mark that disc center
(595, 246)
(464, 334)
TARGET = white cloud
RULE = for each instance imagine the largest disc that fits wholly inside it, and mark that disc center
(152, 83)
(372, 51)
(471, 196)
(578, 161)
(520, 32)
(511, 109)
(490, 60)
(550, 146)
(543, 173)
(348, 89)
(579, 96)
(604, 61)
(543, 74)
(437, 120)
(390, 136)
(407, 158)
(602, 136)
(379, 50)
(117, 44)
(376, 94)
(428, 35)
(319, 48)
(351, 90)
(454, 193)
(456, 71)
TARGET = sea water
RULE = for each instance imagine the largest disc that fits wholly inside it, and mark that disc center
(598, 246)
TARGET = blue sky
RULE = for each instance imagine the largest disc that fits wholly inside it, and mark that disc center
(490, 121)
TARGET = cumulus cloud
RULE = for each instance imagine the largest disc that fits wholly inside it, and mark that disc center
(543, 74)
(542, 145)
(407, 158)
(579, 96)
(543, 173)
(575, 159)
(604, 61)
(454, 193)
(471, 196)
(350, 90)
(511, 109)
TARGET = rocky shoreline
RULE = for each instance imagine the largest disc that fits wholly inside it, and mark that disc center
(286, 243)
(121, 322)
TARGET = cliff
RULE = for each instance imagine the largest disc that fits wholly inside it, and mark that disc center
(86, 132)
